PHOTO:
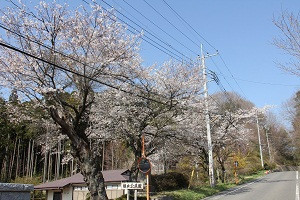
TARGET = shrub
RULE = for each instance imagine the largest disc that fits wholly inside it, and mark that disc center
(28, 180)
(124, 197)
(169, 181)
(266, 166)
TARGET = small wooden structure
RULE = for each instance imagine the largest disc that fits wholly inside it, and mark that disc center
(74, 187)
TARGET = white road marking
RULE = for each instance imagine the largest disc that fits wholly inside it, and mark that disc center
(297, 186)
(218, 197)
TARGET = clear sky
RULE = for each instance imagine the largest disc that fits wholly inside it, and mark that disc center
(242, 31)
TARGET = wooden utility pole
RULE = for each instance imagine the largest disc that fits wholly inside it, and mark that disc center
(147, 174)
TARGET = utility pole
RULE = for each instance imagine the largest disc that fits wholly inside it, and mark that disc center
(267, 136)
(259, 142)
(209, 143)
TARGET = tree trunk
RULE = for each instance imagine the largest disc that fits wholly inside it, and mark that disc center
(35, 165)
(13, 159)
(5, 168)
(28, 158)
(4, 171)
(32, 159)
(223, 172)
(18, 158)
(87, 159)
(58, 158)
(103, 154)
(63, 152)
(112, 155)
(72, 167)
(134, 167)
(55, 165)
(49, 166)
(91, 171)
(24, 160)
(45, 166)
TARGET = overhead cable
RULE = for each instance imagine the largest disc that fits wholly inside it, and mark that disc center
(165, 43)
(232, 76)
(74, 72)
(159, 27)
(207, 43)
(178, 15)
(171, 23)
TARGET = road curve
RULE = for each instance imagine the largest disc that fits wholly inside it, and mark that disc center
(274, 186)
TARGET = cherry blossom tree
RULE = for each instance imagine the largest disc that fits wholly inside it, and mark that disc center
(90, 45)
(229, 127)
(128, 117)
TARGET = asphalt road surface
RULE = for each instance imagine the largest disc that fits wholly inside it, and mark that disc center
(274, 186)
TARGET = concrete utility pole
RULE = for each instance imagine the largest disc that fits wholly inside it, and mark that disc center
(267, 136)
(259, 142)
(209, 143)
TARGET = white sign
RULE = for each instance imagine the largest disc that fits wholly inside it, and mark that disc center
(132, 186)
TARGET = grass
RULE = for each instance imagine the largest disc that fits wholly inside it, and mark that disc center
(247, 178)
(198, 192)
(201, 192)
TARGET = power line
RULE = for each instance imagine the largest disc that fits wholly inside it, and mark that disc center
(159, 47)
(221, 73)
(232, 75)
(122, 8)
(76, 73)
(82, 75)
(177, 14)
(55, 51)
(70, 57)
(159, 27)
(267, 83)
(134, 31)
(171, 23)
(165, 43)
(221, 86)
(216, 79)
(206, 42)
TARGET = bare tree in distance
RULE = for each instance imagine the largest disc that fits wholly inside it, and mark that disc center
(289, 25)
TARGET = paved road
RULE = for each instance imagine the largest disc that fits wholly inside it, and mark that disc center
(274, 186)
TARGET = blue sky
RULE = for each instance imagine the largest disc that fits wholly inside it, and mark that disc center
(242, 31)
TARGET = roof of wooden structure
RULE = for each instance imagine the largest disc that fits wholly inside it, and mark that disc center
(120, 175)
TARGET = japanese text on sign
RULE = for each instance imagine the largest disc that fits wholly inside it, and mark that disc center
(132, 186)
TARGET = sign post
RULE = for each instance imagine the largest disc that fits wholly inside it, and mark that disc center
(132, 186)
(148, 187)
(135, 194)
(144, 166)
